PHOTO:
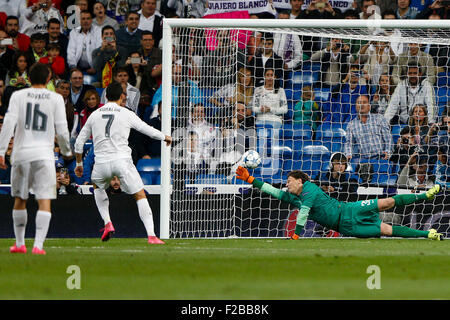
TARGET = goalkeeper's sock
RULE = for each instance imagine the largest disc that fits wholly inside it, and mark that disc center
(405, 232)
(20, 223)
(405, 199)
(146, 215)
(42, 224)
(102, 202)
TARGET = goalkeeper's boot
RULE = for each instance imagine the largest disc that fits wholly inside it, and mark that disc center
(36, 250)
(433, 191)
(16, 249)
(434, 235)
(108, 231)
(155, 240)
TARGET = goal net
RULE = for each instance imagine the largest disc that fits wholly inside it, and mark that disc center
(359, 106)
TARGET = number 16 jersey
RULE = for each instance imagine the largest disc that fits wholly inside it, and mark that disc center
(110, 127)
(34, 116)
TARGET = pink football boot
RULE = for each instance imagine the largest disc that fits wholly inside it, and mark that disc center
(36, 250)
(108, 231)
(15, 249)
(155, 240)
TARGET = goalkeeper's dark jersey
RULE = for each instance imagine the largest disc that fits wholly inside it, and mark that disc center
(323, 209)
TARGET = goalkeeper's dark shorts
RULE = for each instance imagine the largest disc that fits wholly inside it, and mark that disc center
(360, 219)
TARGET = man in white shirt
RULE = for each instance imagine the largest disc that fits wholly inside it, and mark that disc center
(151, 19)
(34, 116)
(110, 127)
(37, 18)
(83, 40)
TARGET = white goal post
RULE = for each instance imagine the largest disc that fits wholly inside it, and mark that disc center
(345, 29)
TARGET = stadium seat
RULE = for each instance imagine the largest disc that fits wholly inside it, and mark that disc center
(443, 80)
(396, 131)
(211, 179)
(442, 95)
(149, 165)
(332, 136)
(305, 77)
(322, 94)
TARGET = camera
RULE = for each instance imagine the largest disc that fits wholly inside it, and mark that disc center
(42, 5)
(109, 39)
(6, 42)
(135, 60)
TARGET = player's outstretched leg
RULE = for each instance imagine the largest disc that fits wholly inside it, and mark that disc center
(20, 217)
(405, 199)
(146, 215)
(102, 202)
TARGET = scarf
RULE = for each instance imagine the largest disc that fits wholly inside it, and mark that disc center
(107, 73)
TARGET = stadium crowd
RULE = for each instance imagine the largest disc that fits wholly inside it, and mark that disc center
(379, 97)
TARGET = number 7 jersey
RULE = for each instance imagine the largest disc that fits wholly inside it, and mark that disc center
(110, 127)
(34, 116)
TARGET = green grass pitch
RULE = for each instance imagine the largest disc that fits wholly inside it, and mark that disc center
(235, 269)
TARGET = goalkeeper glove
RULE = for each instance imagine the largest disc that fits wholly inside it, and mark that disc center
(294, 237)
(243, 174)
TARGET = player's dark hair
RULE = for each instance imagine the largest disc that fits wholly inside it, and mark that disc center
(114, 91)
(39, 73)
(298, 174)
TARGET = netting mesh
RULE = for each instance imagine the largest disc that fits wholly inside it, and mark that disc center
(362, 111)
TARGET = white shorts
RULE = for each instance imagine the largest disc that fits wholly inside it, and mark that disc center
(124, 169)
(37, 177)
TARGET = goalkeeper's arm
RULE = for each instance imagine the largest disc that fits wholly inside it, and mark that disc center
(302, 216)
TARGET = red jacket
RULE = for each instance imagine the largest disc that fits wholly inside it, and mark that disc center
(23, 41)
(58, 65)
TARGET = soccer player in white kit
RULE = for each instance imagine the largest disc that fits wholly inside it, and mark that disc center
(34, 116)
(110, 127)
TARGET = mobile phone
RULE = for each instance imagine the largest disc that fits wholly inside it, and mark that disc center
(135, 60)
(320, 5)
(42, 5)
(6, 42)
(109, 39)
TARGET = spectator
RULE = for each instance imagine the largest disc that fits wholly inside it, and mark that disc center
(368, 135)
(404, 148)
(387, 5)
(320, 9)
(151, 78)
(288, 46)
(444, 128)
(377, 57)
(13, 7)
(269, 102)
(227, 96)
(78, 89)
(135, 65)
(6, 56)
(53, 59)
(182, 9)
(151, 20)
(334, 62)
(420, 5)
(343, 100)
(108, 56)
(101, 19)
(91, 100)
(18, 74)
(365, 4)
(83, 40)
(37, 50)
(63, 88)
(269, 60)
(437, 8)
(443, 167)
(409, 92)
(55, 36)
(218, 67)
(418, 122)
(133, 94)
(383, 94)
(307, 111)
(63, 184)
(21, 41)
(337, 181)
(37, 18)
(440, 53)
(114, 186)
(296, 8)
(129, 36)
(244, 117)
(405, 11)
(415, 173)
(414, 54)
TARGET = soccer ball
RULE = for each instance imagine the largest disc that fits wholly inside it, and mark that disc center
(251, 159)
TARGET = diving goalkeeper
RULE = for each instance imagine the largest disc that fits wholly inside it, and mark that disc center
(355, 219)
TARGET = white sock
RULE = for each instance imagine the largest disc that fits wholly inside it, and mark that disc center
(20, 223)
(102, 202)
(42, 224)
(146, 215)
